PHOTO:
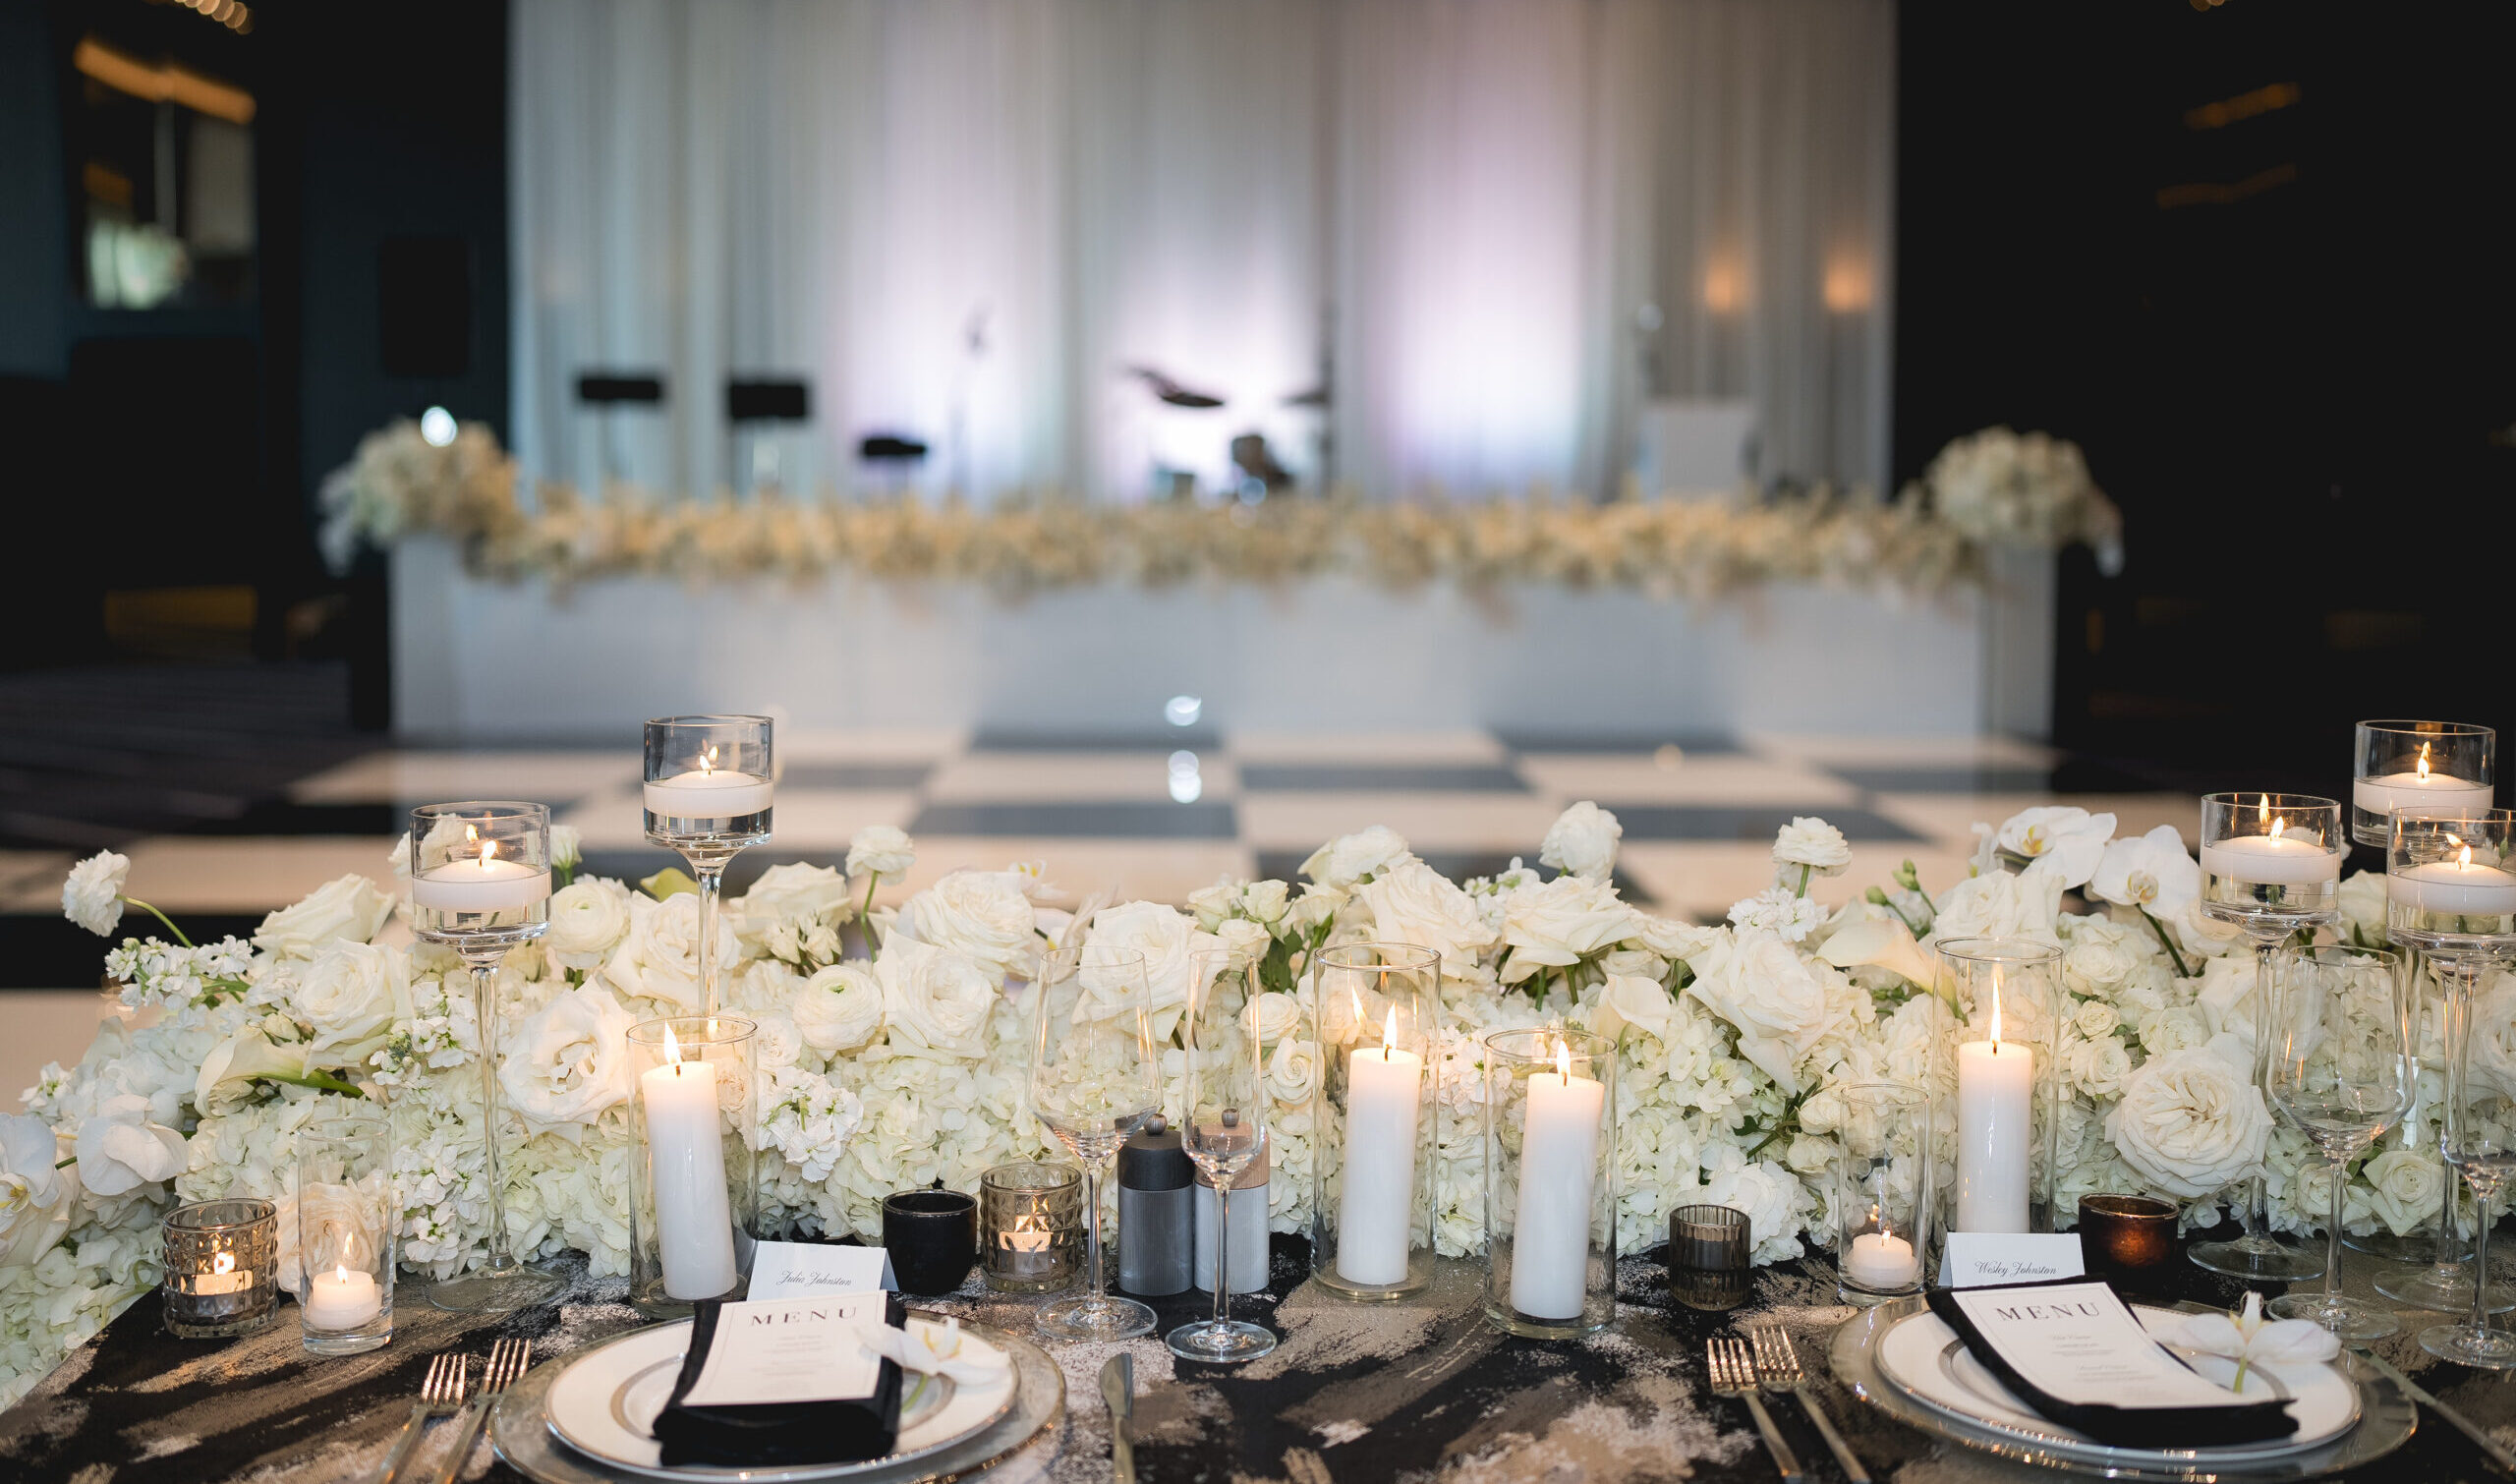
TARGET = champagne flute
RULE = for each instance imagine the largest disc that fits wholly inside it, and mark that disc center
(2342, 1072)
(1225, 1131)
(1095, 1080)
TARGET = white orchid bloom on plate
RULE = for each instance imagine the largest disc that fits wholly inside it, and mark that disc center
(2247, 1338)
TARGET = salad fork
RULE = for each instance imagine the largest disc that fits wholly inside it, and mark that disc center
(508, 1359)
(1734, 1375)
(1778, 1367)
(441, 1392)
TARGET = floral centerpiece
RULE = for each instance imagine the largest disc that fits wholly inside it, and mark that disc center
(900, 1063)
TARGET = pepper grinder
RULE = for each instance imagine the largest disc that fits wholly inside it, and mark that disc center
(1156, 1221)
(1249, 1203)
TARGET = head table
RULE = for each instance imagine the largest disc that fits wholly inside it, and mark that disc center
(1422, 1388)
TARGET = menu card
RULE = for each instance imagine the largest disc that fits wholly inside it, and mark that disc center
(2076, 1353)
(790, 1350)
(784, 1382)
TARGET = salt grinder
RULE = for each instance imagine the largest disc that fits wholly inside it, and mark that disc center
(1157, 1219)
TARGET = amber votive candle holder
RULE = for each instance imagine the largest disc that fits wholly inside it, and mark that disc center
(1031, 1226)
(221, 1267)
(2127, 1237)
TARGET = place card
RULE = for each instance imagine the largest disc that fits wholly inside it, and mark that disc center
(790, 1350)
(801, 1270)
(1975, 1259)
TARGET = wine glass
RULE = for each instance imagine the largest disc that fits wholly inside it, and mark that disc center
(711, 783)
(1094, 1081)
(2342, 1072)
(1225, 1131)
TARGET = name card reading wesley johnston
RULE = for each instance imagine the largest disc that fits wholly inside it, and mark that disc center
(799, 1270)
(1977, 1259)
(791, 1350)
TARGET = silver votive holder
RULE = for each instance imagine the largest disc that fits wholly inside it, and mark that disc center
(1031, 1226)
(221, 1268)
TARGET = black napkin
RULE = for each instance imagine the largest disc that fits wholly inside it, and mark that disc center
(781, 1433)
(2163, 1427)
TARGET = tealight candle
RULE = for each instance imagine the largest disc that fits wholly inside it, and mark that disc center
(341, 1299)
(479, 883)
(2461, 887)
(1882, 1260)
(2421, 790)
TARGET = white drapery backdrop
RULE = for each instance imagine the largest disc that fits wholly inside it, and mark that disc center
(963, 220)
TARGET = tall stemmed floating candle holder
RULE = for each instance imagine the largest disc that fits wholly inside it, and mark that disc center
(1374, 1119)
(2450, 893)
(1549, 1182)
(2008, 1084)
(2271, 867)
(693, 1202)
(711, 780)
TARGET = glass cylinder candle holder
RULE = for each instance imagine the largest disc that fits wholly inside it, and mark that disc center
(348, 1234)
(692, 1202)
(2419, 766)
(1031, 1226)
(2450, 882)
(710, 781)
(221, 1267)
(2270, 862)
(1374, 1009)
(2009, 1085)
(1549, 1182)
(1882, 1191)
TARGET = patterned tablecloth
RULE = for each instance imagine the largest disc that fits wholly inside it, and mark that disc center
(1418, 1390)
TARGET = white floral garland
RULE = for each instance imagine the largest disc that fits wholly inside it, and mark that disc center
(887, 1074)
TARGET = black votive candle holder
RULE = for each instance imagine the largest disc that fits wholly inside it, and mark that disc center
(933, 1239)
(2127, 1237)
(1708, 1257)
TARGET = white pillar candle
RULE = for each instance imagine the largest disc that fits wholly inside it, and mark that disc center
(2421, 790)
(1375, 1205)
(709, 794)
(483, 885)
(2271, 860)
(1995, 1116)
(1558, 1169)
(2457, 887)
(341, 1299)
(694, 1224)
(1882, 1260)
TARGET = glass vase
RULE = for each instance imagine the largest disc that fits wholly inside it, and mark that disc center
(693, 1204)
(1374, 1012)
(1549, 1182)
(349, 1223)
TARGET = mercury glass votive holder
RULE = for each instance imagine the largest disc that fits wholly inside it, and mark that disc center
(1373, 1117)
(2417, 766)
(2126, 1239)
(1031, 1226)
(221, 1268)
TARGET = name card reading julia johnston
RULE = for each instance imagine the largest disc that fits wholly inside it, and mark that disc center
(791, 1349)
(799, 1270)
(2080, 1344)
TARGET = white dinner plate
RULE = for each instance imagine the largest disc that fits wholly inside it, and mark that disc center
(1921, 1356)
(605, 1405)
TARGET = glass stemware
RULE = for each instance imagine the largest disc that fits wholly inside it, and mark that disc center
(480, 885)
(2342, 1072)
(2270, 867)
(1224, 1130)
(708, 790)
(2438, 1273)
(1095, 1079)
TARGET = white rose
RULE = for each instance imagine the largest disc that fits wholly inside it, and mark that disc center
(1671, 938)
(1166, 938)
(2097, 1020)
(2099, 1067)
(1562, 922)
(775, 1041)
(1266, 901)
(1771, 995)
(1278, 1016)
(353, 994)
(2072, 840)
(2362, 898)
(1291, 1070)
(880, 850)
(839, 1008)
(2151, 871)
(569, 1061)
(2001, 905)
(35, 1198)
(1811, 843)
(2404, 1187)
(2191, 1123)
(1583, 840)
(120, 1150)
(1212, 905)
(659, 958)
(1411, 902)
(2096, 967)
(1247, 942)
(936, 1000)
(2173, 1028)
(587, 920)
(1316, 906)
(794, 889)
(92, 895)
(1632, 999)
(1348, 858)
(984, 916)
(348, 908)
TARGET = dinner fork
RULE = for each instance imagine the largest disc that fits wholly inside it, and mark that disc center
(1734, 1375)
(441, 1392)
(1778, 1367)
(508, 1359)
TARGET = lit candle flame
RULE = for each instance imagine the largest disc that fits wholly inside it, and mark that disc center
(2424, 761)
(672, 1052)
(2465, 860)
(224, 1262)
(1356, 996)
(1564, 1061)
(1996, 1012)
(2262, 811)
(1388, 1034)
(707, 760)
(340, 1272)
(489, 848)
(2278, 825)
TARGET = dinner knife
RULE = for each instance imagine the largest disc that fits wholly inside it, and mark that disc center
(2419, 1394)
(1118, 1390)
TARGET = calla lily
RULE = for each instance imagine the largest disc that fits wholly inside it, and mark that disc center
(1884, 941)
(2247, 1338)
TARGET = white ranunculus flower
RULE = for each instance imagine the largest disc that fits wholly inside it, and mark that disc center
(775, 1041)
(350, 908)
(2097, 1019)
(1774, 998)
(2191, 1123)
(569, 1061)
(1292, 1070)
(984, 916)
(1631, 1000)
(1811, 843)
(1348, 858)
(1247, 942)
(2099, 1067)
(92, 895)
(587, 920)
(2001, 905)
(936, 1000)
(1583, 840)
(2072, 840)
(35, 1198)
(1278, 1016)
(1411, 902)
(120, 1150)
(2151, 871)
(2173, 1028)
(1166, 938)
(839, 1008)
(659, 956)
(881, 851)
(1560, 923)
(354, 993)
(2404, 1187)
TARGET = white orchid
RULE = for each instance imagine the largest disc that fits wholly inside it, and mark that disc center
(2245, 1337)
(2073, 840)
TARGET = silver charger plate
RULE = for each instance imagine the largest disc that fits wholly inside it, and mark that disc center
(2386, 1419)
(520, 1428)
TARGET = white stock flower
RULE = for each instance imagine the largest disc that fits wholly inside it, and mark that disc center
(839, 1008)
(354, 993)
(349, 908)
(984, 916)
(936, 1000)
(2072, 840)
(807, 1119)
(1560, 923)
(569, 1061)
(881, 851)
(1348, 858)
(35, 1198)
(1583, 840)
(587, 920)
(1811, 843)
(2191, 1123)
(2002, 905)
(2151, 871)
(121, 1150)
(659, 956)
(1778, 910)
(92, 895)
(1411, 902)
(1773, 996)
